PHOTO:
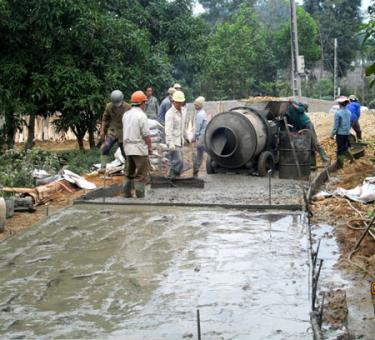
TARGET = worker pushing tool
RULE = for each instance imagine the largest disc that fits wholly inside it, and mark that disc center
(111, 130)
(137, 142)
(175, 133)
(341, 129)
(297, 117)
(355, 109)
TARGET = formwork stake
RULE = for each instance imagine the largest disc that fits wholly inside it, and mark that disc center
(321, 311)
(199, 324)
(315, 284)
(269, 185)
(104, 187)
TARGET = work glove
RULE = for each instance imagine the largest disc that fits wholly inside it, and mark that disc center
(172, 148)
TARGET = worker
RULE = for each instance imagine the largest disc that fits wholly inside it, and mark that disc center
(165, 105)
(111, 129)
(296, 116)
(341, 129)
(175, 133)
(152, 105)
(200, 128)
(355, 109)
(137, 142)
(177, 87)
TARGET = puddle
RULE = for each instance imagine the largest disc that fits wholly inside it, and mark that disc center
(141, 273)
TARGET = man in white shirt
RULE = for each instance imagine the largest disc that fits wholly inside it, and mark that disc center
(137, 145)
(174, 133)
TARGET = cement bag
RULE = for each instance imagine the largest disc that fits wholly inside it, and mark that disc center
(190, 131)
(156, 139)
(154, 161)
(154, 132)
(154, 124)
(119, 156)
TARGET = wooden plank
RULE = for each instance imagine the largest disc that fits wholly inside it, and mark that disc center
(158, 182)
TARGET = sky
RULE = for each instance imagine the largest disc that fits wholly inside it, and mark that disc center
(199, 9)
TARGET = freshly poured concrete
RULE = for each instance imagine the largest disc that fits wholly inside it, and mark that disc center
(226, 189)
(142, 272)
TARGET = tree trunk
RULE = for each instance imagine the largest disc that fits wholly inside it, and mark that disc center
(80, 143)
(31, 132)
(91, 138)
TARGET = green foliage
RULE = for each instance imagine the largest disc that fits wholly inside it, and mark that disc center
(307, 39)
(16, 166)
(232, 68)
(79, 162)
(369, 43)
(341, 20)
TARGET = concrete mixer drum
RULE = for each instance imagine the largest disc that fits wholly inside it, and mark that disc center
(241, 139)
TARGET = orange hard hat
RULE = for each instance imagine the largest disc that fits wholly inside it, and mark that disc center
(138, 97)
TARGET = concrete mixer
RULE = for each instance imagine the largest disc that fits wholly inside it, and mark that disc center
(245, 139)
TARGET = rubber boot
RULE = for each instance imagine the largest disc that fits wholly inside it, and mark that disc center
(350, 156)
(140, 189)
(340, 161)
(359, 135)
(324, 157)
(128, 186)
(103, 163)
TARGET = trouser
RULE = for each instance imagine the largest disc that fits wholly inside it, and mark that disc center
(342, 143)
(176, 161)
(137, 176)
(357, 128)
(198, 157)
(108, 144)
(138, 168)
(315, 145)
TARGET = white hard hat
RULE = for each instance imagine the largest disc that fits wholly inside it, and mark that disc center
(178, 97)
(199, 101)
(177, 86)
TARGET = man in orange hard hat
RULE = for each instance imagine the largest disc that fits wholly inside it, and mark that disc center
(137, 144)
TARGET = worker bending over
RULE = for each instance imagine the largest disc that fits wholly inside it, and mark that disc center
(111, 129)
(341, 129)
(297, 117)
(137, 142)
(200, 128)
(175, 133)
(355, 109)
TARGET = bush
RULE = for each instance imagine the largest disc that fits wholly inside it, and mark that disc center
(16, 166)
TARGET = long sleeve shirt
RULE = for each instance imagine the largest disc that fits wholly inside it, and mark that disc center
(112, 119)
(297, 117)
(152, 108)
(174, 127)
(163, 108)
(200, 125)
(341, 124)
(135, 124)
(355, 110)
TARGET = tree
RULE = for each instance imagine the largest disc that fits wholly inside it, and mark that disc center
(239, 61)
(337, 19)
(368, 46)
(217, 11)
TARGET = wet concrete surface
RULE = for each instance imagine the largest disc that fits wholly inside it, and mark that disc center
(227, 189)
(142, 272)
(361, 319)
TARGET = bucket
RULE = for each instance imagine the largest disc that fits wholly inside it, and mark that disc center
(287, 164)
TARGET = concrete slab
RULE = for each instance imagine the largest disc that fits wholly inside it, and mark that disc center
(224, 190)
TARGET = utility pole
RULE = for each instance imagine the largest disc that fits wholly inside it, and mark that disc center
(334, 69)
(296, 79)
